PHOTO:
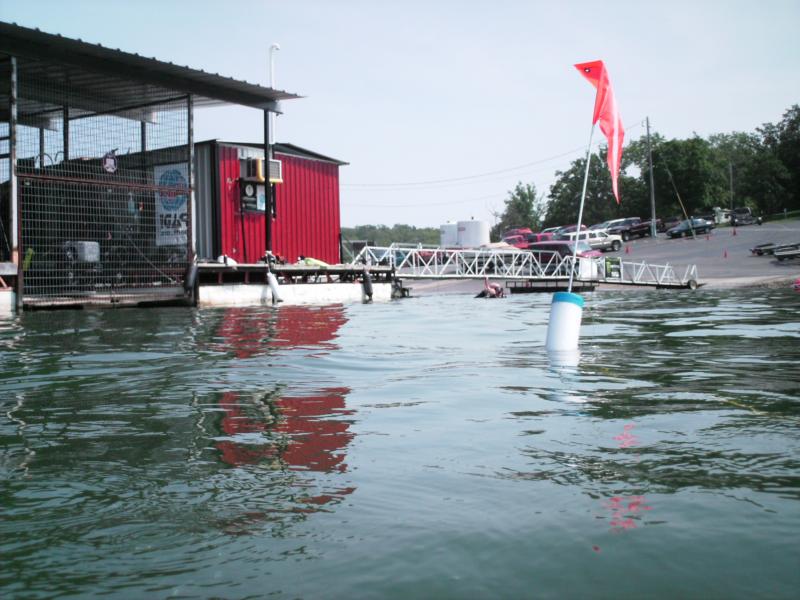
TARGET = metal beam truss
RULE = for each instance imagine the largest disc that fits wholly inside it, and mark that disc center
(417, 262)
(104, 197)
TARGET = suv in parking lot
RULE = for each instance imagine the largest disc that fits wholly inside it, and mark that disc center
(564, 248)
(598, 240)
(743, 216)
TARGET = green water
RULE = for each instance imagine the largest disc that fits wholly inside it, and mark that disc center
(427, 448)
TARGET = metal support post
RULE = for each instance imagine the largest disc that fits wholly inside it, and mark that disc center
(13, 184)
(65, 131)
(653, 231)
(730, 176)
(267, 188)
(190, 172)
(41, 148)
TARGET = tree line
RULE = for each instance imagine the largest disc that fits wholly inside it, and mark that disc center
(381, 235)
(763, 167)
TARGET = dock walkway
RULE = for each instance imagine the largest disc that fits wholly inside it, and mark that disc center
(524, 270)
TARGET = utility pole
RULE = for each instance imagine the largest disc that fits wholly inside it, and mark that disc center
(730, 177)
(653, 232)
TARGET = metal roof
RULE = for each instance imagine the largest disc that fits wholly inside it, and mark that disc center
(99, 79)
(282, 148)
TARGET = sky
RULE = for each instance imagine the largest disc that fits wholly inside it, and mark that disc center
(441, 107)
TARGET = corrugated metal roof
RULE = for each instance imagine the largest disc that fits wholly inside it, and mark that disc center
(283, 148)
(113, 78)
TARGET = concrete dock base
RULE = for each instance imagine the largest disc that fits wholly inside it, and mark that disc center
(239, 294)
(8, 303)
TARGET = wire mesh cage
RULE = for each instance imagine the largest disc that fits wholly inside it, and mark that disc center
(103, 188)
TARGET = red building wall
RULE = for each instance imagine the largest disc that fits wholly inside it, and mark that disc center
(308, 218)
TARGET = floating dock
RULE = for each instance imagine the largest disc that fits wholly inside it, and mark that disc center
(248, 285)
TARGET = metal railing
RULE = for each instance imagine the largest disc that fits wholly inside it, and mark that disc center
(421, 262)
(642, 273)
(448, 263)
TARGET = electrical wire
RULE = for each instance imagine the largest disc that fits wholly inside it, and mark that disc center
(437, 182)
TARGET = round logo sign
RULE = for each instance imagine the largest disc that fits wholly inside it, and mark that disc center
(110, 161)
(172, 199)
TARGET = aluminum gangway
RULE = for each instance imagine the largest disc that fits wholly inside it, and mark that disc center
(428, 262)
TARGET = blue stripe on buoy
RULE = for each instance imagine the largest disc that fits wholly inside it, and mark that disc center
(568, 297)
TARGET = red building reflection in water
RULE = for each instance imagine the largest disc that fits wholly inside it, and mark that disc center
(625, 510)
(291, 433)
(301, 434)
(252, 332)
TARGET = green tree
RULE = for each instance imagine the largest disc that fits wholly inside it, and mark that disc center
(760, 180)
(783, 141)
(600, 204)
(522, 209)
(382, 235)
(695, 176)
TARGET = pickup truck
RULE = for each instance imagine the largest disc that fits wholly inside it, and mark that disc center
(743, 216)
(632, 227)
(518, 241)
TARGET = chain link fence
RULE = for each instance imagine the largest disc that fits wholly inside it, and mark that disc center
(103, 190)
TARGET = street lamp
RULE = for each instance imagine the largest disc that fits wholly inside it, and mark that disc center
(272, 49)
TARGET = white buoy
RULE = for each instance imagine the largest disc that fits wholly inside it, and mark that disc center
(564, 329)
(273, 287)
(561, 360)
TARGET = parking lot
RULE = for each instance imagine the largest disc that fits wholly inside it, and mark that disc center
(722, 258)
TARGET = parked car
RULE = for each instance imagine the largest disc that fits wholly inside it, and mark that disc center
(551, 230)
(671, 222)
(604, 226)
(686, 227)
(631, 227)
(523, 231)
(538, 237)
(743, 216)
(598, 240)
(518, 241)
(565, 248)
(561, 231)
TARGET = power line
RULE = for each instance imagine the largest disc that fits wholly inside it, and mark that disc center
(459, 201)
(433, 182)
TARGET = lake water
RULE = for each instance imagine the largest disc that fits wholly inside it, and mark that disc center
(427, 448)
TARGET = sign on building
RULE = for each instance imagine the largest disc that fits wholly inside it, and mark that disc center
(172, 201)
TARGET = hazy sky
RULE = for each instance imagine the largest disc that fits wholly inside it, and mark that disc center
(472, 96)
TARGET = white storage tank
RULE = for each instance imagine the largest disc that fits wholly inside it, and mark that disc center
(448, 235)
(473, 233)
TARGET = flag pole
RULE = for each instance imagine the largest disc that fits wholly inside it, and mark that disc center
(580, 210)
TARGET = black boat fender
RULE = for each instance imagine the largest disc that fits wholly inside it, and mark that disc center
(366, 286)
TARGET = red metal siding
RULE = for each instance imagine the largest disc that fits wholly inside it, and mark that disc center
(307, 222)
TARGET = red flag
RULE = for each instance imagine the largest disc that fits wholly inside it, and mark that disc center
(605, 110)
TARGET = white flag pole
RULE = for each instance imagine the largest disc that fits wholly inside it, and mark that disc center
(580, 210)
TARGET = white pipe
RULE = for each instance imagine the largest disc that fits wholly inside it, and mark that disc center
(580, 210)
(272, 49)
